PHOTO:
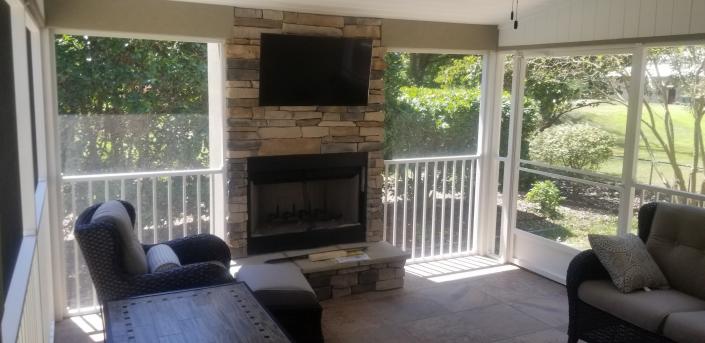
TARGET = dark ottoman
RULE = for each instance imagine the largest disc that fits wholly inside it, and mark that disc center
(285, 293)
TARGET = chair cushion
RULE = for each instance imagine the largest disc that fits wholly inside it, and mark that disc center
(274, 277)
(161, 258)
(629, 264)
(677, 244)
(646, 310)
(685, 327)
(134, 259)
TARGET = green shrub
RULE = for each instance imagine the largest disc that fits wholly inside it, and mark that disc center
(575, 146)
(547, 196)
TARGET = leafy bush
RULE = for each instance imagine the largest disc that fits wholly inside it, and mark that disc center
(432, 122)
(547, 196)
(575, 146)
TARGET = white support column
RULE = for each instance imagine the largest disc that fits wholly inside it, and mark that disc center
(488, 148)
(631, 139)
(511, 169)
(216, 123)
(54, 175)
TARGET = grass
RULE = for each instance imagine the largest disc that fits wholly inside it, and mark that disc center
(571, 227)
(613, 118)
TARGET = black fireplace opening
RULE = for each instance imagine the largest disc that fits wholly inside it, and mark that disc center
(306, 201)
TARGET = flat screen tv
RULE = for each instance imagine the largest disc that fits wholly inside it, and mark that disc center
(307, 71)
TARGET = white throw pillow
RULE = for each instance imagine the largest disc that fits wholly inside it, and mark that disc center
(161, 258)
(133, 258)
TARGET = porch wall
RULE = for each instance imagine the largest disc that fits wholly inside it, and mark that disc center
(141, 18)
(602, 22)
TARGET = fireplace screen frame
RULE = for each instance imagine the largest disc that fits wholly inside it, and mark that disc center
(297, 168)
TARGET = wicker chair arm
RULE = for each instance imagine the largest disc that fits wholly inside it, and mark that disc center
(645, 218)
(199, 248)
(584, 266)
(187, 276)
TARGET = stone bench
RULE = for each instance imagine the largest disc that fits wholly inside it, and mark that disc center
(330, 279)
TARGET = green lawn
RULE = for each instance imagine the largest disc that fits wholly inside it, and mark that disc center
(613, 118)
(571, 227)
(576, 222)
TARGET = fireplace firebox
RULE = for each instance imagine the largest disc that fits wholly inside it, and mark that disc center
(306, 201)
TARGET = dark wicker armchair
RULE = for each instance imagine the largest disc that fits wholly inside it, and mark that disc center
(594, 325)
(205, 260)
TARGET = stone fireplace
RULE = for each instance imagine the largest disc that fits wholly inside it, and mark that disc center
(300, 133)
(306, 201)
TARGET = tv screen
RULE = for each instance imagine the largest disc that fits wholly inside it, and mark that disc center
(306, 71)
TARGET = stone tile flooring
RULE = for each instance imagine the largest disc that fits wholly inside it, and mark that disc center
(468, 299)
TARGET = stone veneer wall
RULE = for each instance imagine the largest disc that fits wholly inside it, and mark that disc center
(359, 279)
(290, 130)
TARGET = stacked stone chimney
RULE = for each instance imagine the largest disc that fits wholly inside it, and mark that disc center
(253, 130)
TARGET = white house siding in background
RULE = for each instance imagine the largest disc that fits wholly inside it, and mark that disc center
(565, 21)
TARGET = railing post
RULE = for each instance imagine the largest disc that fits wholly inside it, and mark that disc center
(423, 209)
(631, 139)
(433, 210)
(443, 206)
(170, 223)
(460, 206)
(413, 222)
(452, 207)
(394, 211)
(385, 200)
(138, 210)
(155, 221)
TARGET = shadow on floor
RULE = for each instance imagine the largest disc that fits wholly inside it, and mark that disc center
(463, 299)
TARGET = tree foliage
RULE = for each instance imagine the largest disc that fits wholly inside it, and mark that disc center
(433, 122)
(130, 104)
(432, 104)
(575, 146)
(682, 69)
(560, 85)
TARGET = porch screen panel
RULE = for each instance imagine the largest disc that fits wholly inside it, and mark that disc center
(134, 125)
(671, 164)
(432, 111)
(572, 153)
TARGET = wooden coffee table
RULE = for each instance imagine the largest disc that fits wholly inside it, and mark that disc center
(224, 313)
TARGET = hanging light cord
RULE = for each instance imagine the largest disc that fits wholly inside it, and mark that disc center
(511, 16)
(515, 14)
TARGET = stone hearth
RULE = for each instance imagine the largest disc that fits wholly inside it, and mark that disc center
(329, 279)
(293, 130)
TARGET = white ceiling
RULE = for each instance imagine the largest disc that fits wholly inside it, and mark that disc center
(490, 12)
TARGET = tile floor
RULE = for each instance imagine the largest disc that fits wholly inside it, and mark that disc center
(469, 299)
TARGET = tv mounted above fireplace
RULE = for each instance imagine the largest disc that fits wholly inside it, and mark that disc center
(314, 71)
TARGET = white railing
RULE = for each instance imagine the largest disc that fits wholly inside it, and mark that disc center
(168, 205)
(647, 193)
(428, 205)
